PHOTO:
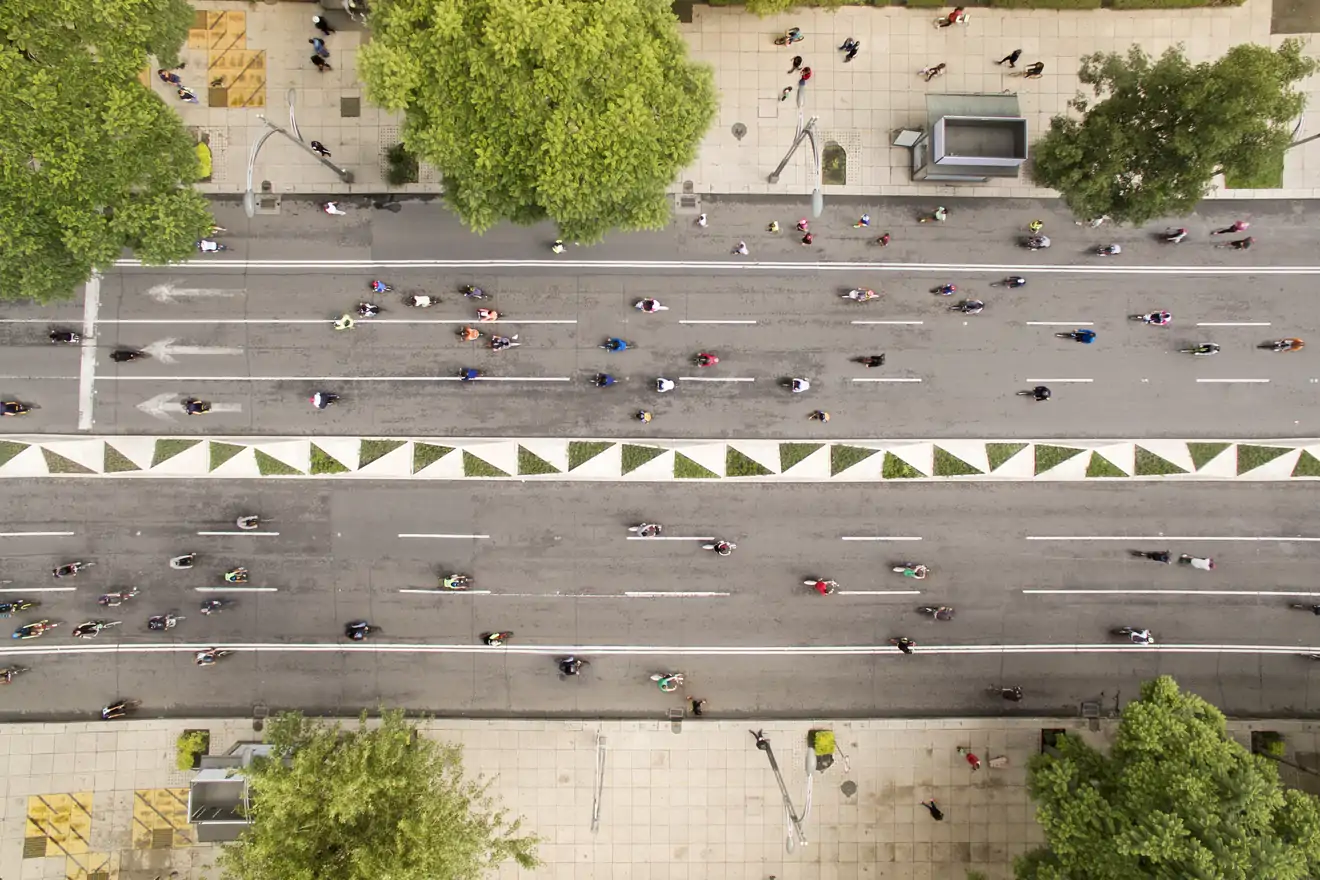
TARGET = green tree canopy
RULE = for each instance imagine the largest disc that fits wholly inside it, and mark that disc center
(369, 804)
(1175, 799)
(1161, 130)
(91, 161)
(579, 111)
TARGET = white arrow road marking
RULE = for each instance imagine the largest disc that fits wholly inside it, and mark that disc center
(164, 350)
(168, 293)
(163, 406)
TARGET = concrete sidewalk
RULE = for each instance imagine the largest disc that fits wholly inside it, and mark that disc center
(263, 55)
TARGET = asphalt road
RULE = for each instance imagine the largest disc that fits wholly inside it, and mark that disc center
(256, 340)
(554, 564)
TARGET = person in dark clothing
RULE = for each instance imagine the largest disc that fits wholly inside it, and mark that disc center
(935, 812)
(321, 64)
(1011, 58)
(322, 25)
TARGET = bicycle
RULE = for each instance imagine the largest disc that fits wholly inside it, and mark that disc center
(668, 683)
(1012, 694)
(71, 569)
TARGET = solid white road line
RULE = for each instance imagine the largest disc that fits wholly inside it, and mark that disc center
(893, 323)
(1169, 593)
(364, 322)
(678, 594)
(36, 589)
(714, 379)
(36, 534)
(880, 538)
(667, 538)
(435, 592)
(1233, 324)
(87, 368)
(717, 322)
(437, 535)
(1282, 538)
(230, 588)
(896, 379)
(879, 593)
(1060, 323)
(1232, 381)
(216, 407)
(1059, 380)
(250, 534)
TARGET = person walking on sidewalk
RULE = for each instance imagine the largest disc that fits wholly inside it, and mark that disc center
(783, 95)
(851, 47)
(1034, 71)
(319, 47)
(972, 760)
(319, 149)
(169, 77)
(931, 72)
(958, 16)
(186, 95)
(322, 25)
(797, 64)
(1011, 58)
(935, 812)
(321, 64)
(806, 75)
(863, 222)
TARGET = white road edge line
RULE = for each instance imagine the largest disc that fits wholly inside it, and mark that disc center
(1059, 380)
(87, 370)
(896, 379)
(421, 535)
(252, 534)
(1233, 324)
(892, 323)
(879, 593)
(233, 589)
(435, 592)
(1168, 592)
(38, 589)
(667, 538)
(334, 379)
(714, 379)
(1281, 538)
(36, 534)
(880, 538)
(1061, 323)
(367, 322)
(1232, 381)
(717, 322)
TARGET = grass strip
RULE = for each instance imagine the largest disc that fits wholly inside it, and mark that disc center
(116, 462)
(844, 457)
(479, 467)
(167, 449)
(998, 453)
(687, 469)
(270, 466)
(636, 456)
(949, 465)
(1148, 464)
(582, 451)
(427, 454)
(1048, 457)
(325, 463)
(222, 452)
(738, 464)
(373, 450)
(1203, 453)
(531, 464)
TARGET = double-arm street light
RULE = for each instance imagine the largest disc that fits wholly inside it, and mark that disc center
(807, 131)
(249, 198)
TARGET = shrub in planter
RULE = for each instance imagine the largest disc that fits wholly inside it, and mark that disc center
(192, 744)
(1268, 742)
(402, 166)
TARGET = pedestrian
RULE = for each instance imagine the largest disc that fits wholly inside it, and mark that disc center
(931, 72)
(788, 90)
(186, 95)
(852, 53)
(819, 416)
(169, 77)
(1011, 58)
(806, 75)
(319, 149)
(875, 360)
(972, 760)
(955, 17)
(698, 707)
(322, 25)
(808, 239)
(797, 63)
(773, 227)
(1034, 71)
(883, 240)
(701, 221)
(935, 812)
(802, 225)
(319, 47)
(851, 47)
(1238, 226)
(864, 222)
(321, 64)
(741, 248)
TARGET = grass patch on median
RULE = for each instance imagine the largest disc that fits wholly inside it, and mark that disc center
(998, 453)
(531, 464)
(1148, 464)
(896, 468)
(167, 449)
(8, 449)
(738, 464)
(270, 466)
(582, 451)
(844, 457)
(792, 453)
(58, 464)
(1203, 453)
(1307, 466)
(325, 463)
(479, 467)
(222, 452)
(116, 462)
(949, 465)
(636, 456)
(427, 454)
(1099, 466)
(1251, 457)
(373, 450)
(687, 469)
(1052, 456)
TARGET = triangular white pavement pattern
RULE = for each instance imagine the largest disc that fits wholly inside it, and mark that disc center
(294, 453)
(242, 465)
(1072, 469)
(1121, 455)
(763, 452)
(139, 450)
(192, 462)
(1173, 451)
(503, 454)
(920, 455)
(710, 454)
(1022, 466)
(395, 463)
(28, 463)
(815, 466)
(657, 469)
(344, 450)
(604, 466)
(552, 450)
(1222, 465)
(450, 467)
(88, 453)
(1279, 469)
(971, 451)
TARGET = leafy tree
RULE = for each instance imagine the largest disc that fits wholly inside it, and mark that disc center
(579, 111)
(1161, 130)
(369, 804)
(91, 161)
(1176, 798)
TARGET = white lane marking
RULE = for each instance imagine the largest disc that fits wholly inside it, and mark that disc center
(434, 592)
(1059, 380)
(1169, 593)
(1282, 538)
(36, 534)
(1231, 381)
(1233, 324)
(880, 538)
(168, 293)
(879, 593)
(251, 534)
(666, 538)
(678, 594)
(87, 367)
(366, 322)
(36, 589)
(230, 588)
(888, 322)
(437, 535)
(714, 379)
(640, 594)
(164, 350)
(717, 322)
(1061, 323)
(894, 379)
(216, 407)
(382, 647)
(1097, 268)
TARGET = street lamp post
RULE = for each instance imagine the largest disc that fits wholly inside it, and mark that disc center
(807, 132)
(249, 197)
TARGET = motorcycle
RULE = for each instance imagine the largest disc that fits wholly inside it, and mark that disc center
(1136, 636)
(207, 246)
(1108, 250)
(1086, 337)
(572, 665)
(71, 569)
(662, 385)
(359, 630)
(34, 630)
(861, 295)
(15, 606)
(472, 292)
(236, 576)
(940, 612)
(248, 523)
(211, 657)
(368, 310)
(647, 530)
(969, 307)
(487, 316)
(824, 587)
(124, 355)
(184, 562)
(723, 548)
(650, 306)
(912, 570)
(1036, 242)
(114, 600)
(668, 681)
(9, 673)
(14, 408)
(322, 399)
(499, 343)
(215, 606)
(419, 301)
(93, 628)
(455, 582)
(496, 639)
(1205, 349)
(1157, 319)
(706, 360)
(797, 386)
(945, 289)
(1285, 345)
(1175, 236)
(163, 622)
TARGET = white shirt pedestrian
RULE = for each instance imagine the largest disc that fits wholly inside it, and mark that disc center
(701, 221)
(741, 248)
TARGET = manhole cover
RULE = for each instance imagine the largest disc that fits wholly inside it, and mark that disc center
(350, 108)
(34, 847)
(162, 838)
(739, 130)
(849, 788)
